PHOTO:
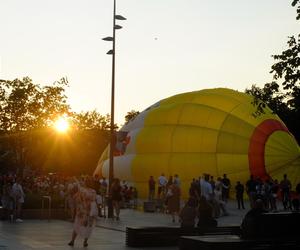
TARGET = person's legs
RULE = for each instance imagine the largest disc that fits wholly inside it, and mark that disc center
(85, 242)
(117, 209)
(159, 192)
(152, 192)
(238, 202)
(74, 235)
(173, 216)
(223, 208)
(242, 202)
(18, 211)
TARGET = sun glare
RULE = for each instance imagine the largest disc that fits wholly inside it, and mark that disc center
(62, 124)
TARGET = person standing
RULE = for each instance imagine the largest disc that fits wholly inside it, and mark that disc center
(72, 189)
(206, 188)
(173, 200)
(116, 196)
(188, 213)
(218, 204)
(239, 193)
(286, 187)
(212, 182)
(18, 194)
(249, 226)
(162, 183)
(86, 212)
(274, 195)
(226, 188)
(205, 214)
(177, 181)
(251, 190)
(151, 185)
(103, 186)
(7, 201)
(170, 182)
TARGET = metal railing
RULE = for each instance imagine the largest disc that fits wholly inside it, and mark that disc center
(46, 197)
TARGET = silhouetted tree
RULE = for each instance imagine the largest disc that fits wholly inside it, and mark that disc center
(26, 105)
(91, 120)
(131, 115)
(286, 101)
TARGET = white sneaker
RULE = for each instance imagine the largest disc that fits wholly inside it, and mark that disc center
(19, 220)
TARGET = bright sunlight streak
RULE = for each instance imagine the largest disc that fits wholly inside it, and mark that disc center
(62, 124)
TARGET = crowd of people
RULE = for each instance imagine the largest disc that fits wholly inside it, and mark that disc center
(13, 190)
(210, 195)
(86, 197)
(204, 193)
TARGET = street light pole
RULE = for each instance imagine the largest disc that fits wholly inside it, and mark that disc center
(110, 212)
(112, 113)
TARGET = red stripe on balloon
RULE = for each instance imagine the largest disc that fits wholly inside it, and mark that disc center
(256, 152)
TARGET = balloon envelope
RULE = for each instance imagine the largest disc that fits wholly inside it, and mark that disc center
(210, 131)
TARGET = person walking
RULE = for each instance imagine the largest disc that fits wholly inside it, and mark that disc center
(86, 212)
(239, 194)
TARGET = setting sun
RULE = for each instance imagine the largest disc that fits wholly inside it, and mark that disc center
(62, 124)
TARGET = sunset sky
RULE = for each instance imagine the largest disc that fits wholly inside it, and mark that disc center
(166, 47)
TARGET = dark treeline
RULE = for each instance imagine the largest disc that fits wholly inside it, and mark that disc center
(28, 139)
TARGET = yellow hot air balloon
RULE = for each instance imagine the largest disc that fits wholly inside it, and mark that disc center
(209, 131)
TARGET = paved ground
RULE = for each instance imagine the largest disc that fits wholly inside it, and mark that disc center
(108, 235)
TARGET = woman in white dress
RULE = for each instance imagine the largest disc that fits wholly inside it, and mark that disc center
(86, 212)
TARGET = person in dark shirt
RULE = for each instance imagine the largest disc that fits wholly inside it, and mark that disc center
(193, 191)
(298, 188)
(296, 198)
(286, 187)
(249, 225)
(251, 190)
(205, 214)
(151, 184)
(226, 188)
(274, 194)
(188, 213)
(239, 191)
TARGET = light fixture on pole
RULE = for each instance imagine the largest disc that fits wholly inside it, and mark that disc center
(112, 113)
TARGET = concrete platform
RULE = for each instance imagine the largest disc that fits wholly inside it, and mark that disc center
(108, 235)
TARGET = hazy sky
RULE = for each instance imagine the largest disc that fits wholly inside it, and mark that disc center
(166, 46)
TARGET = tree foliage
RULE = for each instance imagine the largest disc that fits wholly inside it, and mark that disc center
(287, 68)
(131, 115)
(27, 110)
(26, 105)
(269, 95)
(283, 95)
(91, 120)
(297, 3)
